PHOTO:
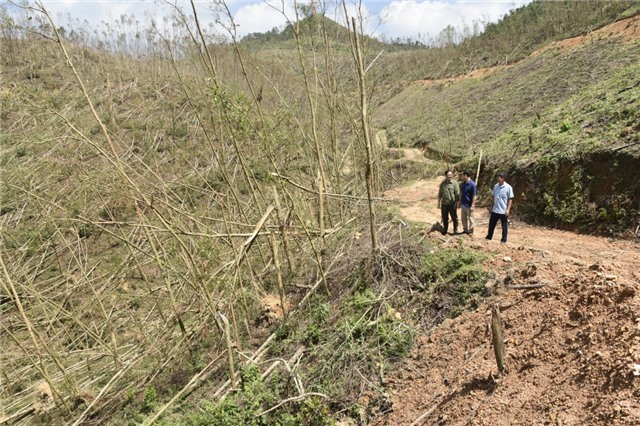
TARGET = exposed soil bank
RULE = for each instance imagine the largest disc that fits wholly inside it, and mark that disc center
(597, 193)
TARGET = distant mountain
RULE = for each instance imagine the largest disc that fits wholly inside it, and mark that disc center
(313, 29)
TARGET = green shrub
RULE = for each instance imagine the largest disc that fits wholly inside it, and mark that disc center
(254, 397)
(455, 278)
(149, 399)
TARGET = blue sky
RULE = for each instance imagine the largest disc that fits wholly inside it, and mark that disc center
(399, 18)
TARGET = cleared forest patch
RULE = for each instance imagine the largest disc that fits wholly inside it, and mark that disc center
(626, 30)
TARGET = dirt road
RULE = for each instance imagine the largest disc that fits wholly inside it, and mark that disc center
(418, 203)
(572, 345)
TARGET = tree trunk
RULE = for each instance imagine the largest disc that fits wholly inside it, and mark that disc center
(367, 138)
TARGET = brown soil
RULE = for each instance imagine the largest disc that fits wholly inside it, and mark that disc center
(627, 30)
(413, 154)
(477, 73)
(571, 344)
(271, 309)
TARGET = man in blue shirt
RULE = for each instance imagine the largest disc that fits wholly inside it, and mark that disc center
(501, 208)
(468, 191)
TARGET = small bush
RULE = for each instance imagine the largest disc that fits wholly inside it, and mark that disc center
(454, 278)
(149, 399)
(565, 126)
(256, 396)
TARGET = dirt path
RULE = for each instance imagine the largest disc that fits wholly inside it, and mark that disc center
(418, 203)
(626, 30)
(572, 345)
(414, 154)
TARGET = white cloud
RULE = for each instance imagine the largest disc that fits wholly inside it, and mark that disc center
(96, 11)
(398, 18)
(262, 17)
(408, 18)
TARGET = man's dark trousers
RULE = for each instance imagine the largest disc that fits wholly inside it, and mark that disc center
(449, 210)
(493, 221)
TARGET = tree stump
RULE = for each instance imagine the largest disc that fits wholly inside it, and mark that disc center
(497, 337)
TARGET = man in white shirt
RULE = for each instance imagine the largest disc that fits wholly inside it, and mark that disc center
(501, 208)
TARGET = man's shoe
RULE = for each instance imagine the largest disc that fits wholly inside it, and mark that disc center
(487, 238)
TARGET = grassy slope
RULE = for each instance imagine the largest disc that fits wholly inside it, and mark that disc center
(474, 111)
(513, 38)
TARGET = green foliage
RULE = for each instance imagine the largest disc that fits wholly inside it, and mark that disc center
(149, 399)
(245, 407)
(368, 322)
(455, 278)
(362, 334)
(570, 206)
(30, 240)
(314, 332)
(129, 397)
(565, 126)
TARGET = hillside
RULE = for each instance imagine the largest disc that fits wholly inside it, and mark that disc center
(547, 119)
(511, 39)
(207, 233)
(316, 30)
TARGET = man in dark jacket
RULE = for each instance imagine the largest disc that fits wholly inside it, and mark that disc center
(448, 200)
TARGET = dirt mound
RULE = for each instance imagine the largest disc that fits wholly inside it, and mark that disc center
(571, 349)
(626, 30)
(271, 310)
(571, 310)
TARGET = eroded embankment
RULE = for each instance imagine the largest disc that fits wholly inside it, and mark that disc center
(594, 193)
